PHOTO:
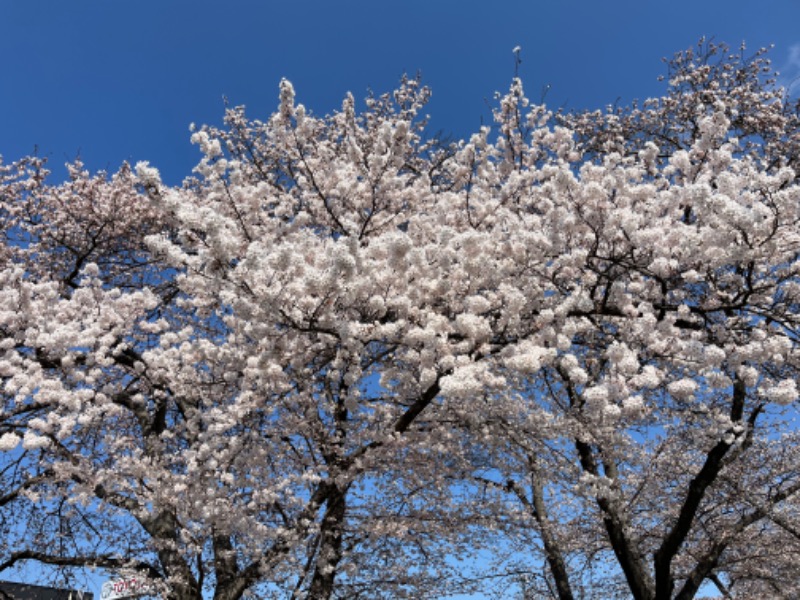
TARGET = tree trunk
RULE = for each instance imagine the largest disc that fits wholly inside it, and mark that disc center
(553, 554)
(329, 552)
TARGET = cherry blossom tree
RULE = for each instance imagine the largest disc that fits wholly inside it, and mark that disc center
(346, 360)
(76, 276)
(661, 402)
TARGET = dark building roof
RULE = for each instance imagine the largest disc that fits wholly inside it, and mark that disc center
(24, 591)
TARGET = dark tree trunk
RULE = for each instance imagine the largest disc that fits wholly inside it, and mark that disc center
(555, 558)
(329, 552)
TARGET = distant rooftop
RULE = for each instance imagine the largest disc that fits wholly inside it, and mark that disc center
(25, 591)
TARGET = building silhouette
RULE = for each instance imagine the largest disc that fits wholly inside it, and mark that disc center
(25, 591)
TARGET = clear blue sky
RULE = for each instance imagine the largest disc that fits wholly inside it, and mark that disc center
(114, 80)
